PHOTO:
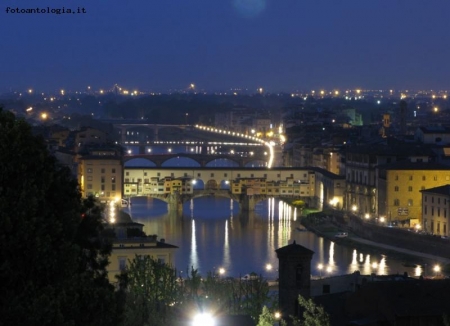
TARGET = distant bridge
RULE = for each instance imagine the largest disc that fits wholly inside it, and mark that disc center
(125, 125)
(202, 159)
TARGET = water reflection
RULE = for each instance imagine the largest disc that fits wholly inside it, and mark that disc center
(193, 261)
(212, 232)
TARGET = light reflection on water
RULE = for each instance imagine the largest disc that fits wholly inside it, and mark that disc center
(213, 233)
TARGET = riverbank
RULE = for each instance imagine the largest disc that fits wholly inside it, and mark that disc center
(329, 227)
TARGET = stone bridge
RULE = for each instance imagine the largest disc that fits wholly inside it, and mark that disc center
(176, 200)
(201, 159)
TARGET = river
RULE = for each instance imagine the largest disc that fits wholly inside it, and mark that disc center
(213, 234)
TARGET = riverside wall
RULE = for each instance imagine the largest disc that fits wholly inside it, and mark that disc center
(400, 237)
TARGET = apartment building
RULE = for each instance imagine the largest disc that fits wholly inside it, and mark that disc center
(100, 175)
(400, 186)
(436, 210)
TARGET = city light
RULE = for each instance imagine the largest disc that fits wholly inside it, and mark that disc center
(203, 319)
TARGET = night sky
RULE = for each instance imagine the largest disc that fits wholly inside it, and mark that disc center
(280, 45)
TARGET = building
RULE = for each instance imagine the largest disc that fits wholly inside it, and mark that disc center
(362, 182)
(294, 277)
(433, 135)
(88, 136)
(436, 210)
(129, 241)
(156, 185)
(399, 188)
(100, 175)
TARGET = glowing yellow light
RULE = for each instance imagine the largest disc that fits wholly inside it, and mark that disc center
(30, 91)
(436, 109)
(358, 91)
(44, 115)
(62, 92)
(336, 92)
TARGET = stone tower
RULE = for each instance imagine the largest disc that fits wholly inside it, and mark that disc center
(294, 263)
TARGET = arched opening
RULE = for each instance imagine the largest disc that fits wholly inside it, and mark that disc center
(139, 162)
(225, 185)
(222, 162)
(198, 184)
(180, 162)
(211, 185)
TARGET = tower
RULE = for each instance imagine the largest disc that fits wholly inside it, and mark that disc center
(294, 263)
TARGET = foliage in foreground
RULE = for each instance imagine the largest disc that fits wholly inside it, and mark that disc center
(313, 315)
(52, 261)
(155, 296)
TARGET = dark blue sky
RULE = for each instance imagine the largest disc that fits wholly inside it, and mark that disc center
(220, 44)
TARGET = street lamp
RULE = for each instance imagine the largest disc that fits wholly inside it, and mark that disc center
(203, 319)
(277, 316)
(436, 269)
(320, 267)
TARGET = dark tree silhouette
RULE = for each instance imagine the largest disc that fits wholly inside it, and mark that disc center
(52, 260)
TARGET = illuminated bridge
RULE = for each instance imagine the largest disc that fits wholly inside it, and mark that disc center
(245, 185)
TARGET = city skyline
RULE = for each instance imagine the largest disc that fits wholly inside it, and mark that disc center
(249, 44)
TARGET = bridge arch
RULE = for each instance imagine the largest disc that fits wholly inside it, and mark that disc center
(211, 185)
(225, 185)
(198, 184)
(222, 162)
(139, 162)
(180, 161)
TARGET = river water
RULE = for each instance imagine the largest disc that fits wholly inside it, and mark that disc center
(213, 234)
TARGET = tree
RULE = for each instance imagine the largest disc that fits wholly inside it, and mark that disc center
(266, 318)
(51, 260)
(152, 292)
(313, 315)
